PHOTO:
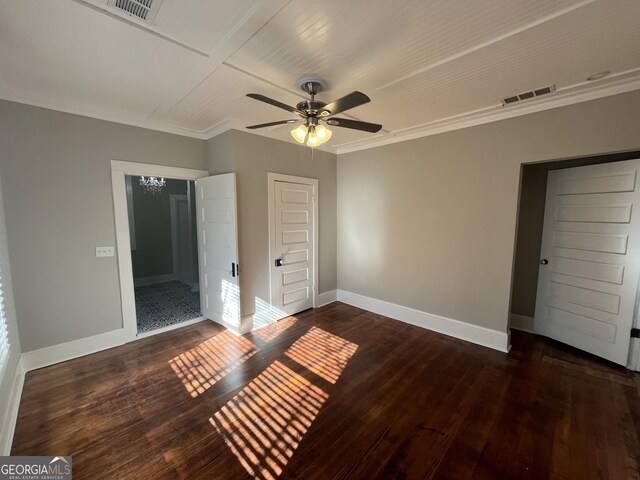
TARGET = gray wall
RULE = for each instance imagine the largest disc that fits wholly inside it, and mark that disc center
(430, 223)
(152, 213)
(15, 350)
(56, 178)
(252, 157)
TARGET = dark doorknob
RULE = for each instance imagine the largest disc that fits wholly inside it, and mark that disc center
(544, 261)
(278, 262)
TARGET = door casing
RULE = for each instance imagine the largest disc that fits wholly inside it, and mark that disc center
(119, 170)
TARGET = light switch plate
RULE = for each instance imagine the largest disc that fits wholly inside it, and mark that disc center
(105, 251)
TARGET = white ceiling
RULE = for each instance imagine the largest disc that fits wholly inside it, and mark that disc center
(428, 66)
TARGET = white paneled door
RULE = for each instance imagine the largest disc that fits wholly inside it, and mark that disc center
(590, 258)
(292, 249)
(218, 249)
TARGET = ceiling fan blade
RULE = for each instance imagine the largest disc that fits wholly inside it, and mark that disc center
(354, 124)
(275, 103)
(353, 100)
(271, 124)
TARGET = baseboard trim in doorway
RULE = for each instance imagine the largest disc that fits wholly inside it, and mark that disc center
(11, 413)
(521, 322)
(326, 298)
(62, 352)
(448, 326)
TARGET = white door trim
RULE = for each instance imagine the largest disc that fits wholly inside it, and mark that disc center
(119, 170)
(272, 178)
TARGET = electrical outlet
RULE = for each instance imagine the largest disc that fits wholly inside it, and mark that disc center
(105, 251)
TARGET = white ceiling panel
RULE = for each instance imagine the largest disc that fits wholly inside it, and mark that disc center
(563, 51)
(222, 96)
(64, 53)
(366, 44)
(203, 24)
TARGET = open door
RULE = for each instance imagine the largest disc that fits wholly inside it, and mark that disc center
(590, 258)
(218, 249)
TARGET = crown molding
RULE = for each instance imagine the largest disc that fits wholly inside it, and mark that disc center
(213, 131)
(221, 127)
(87, 112)
(582, 92)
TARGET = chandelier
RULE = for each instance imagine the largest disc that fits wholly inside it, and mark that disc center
(152, 185)
(311, 133)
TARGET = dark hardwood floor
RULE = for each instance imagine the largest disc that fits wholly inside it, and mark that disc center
(335, 393)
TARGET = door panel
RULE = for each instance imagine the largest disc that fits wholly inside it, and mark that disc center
(587, 290)
(294, 244)
(218, 248)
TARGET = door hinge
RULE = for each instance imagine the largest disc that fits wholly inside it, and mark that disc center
(635, 333)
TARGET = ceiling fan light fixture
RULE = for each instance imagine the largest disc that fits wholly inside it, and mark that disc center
(312, 139)
(324, 133)
(318, 134)
(299, 133)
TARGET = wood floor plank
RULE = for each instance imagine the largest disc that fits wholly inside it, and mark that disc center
(334, 393)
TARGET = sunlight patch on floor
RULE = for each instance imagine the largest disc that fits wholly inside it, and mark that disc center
(201, 367)
(266, 421)
(323, 353)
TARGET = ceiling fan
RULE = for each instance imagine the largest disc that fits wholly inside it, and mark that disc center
(312, 112)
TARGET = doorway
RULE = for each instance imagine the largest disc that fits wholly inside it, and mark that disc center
(128, 245)
(163, 251)
(526, 293)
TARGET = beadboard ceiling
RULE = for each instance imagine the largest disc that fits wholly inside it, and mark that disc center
(428, 65)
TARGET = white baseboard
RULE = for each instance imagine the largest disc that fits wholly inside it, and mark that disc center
(326, 298)
(266, 314)
(521, 322)
(144, 281)
(448, 326)
(74, 349)
(235, 329)
(11, 414)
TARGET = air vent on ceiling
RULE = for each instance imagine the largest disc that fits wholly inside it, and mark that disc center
(145, 10)
(538, 92)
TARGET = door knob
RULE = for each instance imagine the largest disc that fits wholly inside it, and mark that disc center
(278, 262)
(544, 261)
